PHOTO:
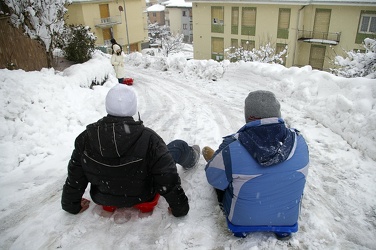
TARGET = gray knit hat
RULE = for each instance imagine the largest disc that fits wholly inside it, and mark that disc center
(261, 104)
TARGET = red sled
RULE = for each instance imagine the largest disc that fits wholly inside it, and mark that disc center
(145, 207)
(128, 81)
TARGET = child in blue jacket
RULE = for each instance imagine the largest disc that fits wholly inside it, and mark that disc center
(259, 172)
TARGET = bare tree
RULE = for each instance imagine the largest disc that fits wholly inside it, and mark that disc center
(172, 44)
(42, 20)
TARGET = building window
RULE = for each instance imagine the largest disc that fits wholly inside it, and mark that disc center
(191, 26)
(283, 23)
(367, 23)
(184, 13)
(322, 23)
(232, 50)
(154, 14)
(217, 48)
(248, 45)
(217, 19)
(248, 21)
(367, 26)
(184, 26)
(235, 20)
(234, 43)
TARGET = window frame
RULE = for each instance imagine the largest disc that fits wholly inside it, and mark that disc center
(217, 42)
(360, 36)
(235, 20)
(217, 22)
(371, 17)
(248, 30)
(283, 32)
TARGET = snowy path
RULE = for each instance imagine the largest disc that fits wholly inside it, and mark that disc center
(338, 211)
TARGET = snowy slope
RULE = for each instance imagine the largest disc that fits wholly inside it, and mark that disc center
(41, 116)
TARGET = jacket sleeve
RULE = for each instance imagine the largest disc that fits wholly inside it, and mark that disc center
(216, 168)
(76, 181)
(166, 179)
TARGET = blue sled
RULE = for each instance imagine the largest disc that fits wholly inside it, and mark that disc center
(280, 231)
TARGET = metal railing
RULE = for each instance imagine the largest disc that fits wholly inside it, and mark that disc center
(330, 36)
(107, 22)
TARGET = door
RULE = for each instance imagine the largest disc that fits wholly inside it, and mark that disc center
(321, 26)
(317, 56)
(104, 10)
(106, 35)
(105, 18)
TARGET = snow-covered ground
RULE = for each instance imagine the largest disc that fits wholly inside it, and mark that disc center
(198, 101)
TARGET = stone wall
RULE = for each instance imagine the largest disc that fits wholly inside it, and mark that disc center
(18, 51)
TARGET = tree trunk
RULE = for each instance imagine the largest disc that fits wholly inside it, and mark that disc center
(49, 59)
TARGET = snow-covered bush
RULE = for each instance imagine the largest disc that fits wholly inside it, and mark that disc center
(356, 63)
(265, 54)
(78, 43)
(41, 20)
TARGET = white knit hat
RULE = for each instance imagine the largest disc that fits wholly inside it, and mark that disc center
(121, 101)
(116, 48)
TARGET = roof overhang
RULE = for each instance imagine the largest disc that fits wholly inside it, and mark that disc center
(294, 2)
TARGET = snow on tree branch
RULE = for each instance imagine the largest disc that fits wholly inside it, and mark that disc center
(357, 64)
(265, 54)
(41, 19)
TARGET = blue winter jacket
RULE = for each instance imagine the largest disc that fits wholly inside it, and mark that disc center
(262, 169)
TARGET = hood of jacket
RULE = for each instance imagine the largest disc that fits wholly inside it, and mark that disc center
(268, 140)
(112, 136)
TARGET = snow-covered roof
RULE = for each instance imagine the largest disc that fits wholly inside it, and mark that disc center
(156, 8)
(178, 4)
(296, 2)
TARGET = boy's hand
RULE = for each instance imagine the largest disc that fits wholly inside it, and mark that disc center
(84, 204)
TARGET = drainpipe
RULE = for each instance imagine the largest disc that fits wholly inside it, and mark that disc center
(297, 33)
(126, 25)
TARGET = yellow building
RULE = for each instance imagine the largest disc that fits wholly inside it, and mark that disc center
(314, 31)
(107, 19)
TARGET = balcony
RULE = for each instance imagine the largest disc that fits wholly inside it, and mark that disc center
(330, 38)
(107, 22)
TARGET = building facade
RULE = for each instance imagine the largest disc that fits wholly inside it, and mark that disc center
(179, 19)
(156, 14)
(124, 20)
(314, 31)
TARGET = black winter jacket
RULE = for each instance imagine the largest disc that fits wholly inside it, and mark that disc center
(126, 164)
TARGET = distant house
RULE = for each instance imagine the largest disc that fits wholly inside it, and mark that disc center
(107, 19)
(314, 30)
(156, 14)
(151, 2)
(179, 18)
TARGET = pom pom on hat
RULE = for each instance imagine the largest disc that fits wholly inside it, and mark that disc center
(261, 104)
(121, 101)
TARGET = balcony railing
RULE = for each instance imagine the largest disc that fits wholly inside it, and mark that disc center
(319, 37)
(107, 22)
